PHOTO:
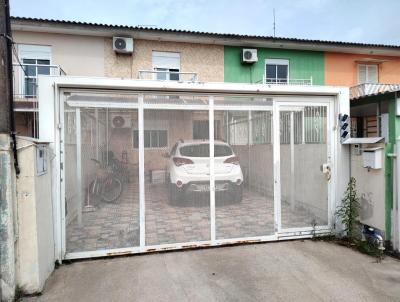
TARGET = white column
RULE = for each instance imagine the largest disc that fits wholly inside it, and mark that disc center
(212, 176)
(142, 204)
(79, 162)
(292, 176)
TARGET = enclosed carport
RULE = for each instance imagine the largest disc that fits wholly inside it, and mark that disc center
(149, 165)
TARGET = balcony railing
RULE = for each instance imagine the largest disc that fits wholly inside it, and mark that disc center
(25, 79)
(368, 89)
(286, 81)
(167, 75)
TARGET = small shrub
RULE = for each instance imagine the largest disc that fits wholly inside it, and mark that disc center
(348, 211)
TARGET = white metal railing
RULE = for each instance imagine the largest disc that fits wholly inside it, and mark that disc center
(25, 79)
(287, 81)
(371, 89)
(159, 75)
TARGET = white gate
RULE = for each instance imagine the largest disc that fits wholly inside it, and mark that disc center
(150, 171)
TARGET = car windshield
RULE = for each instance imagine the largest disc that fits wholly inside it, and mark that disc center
(203, 150)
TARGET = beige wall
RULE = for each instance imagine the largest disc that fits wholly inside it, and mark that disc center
(206, 60)
(77, 55)
(94, 56)
(370, 187)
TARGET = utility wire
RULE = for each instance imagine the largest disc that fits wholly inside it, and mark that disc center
(17, 57)
(15, 52)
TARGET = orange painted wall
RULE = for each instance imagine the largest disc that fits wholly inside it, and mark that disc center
(341, 69)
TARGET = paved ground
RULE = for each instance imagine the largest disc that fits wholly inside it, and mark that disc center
(117, 225)
(283, 271)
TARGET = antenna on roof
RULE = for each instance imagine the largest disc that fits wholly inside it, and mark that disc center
(146, 25)
(274, 20)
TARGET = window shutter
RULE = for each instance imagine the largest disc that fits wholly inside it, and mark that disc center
(362, 74)
(166, 60)
(372, 73)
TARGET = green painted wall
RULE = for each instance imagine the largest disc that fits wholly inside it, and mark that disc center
(394, 134)
(302, 65)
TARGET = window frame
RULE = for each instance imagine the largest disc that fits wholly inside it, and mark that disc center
(277, 62)
(376, 66)
(32, 52)
(168, 67)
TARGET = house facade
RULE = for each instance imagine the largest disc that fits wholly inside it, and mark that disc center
(142, 114)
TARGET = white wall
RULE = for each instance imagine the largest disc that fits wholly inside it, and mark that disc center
(35, 245)
(371, 189)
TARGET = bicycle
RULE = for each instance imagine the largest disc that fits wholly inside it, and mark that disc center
(106, 185)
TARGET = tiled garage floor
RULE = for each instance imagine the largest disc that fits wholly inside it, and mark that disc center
(117, 225)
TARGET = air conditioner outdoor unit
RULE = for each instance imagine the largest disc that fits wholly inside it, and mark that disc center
(123, 44)
(121, 121)
(249, 55)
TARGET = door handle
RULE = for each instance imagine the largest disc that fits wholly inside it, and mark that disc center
(326, 169)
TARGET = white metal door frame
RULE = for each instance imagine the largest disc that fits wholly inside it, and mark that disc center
(296, 105)
(280, 234)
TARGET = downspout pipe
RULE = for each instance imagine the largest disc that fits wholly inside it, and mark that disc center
(10, 86)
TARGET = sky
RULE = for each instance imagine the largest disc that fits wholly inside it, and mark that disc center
(366, 21)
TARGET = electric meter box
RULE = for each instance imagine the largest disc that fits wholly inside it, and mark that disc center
(372, 158)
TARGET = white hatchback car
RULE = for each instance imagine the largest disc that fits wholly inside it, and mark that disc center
(189, 170)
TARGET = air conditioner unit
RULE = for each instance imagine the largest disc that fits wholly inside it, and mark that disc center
(121, 121)
(123, 44)
(249, 55)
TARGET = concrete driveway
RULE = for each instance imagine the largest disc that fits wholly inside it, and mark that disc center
(282, 271)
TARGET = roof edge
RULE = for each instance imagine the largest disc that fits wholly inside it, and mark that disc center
(99, 29)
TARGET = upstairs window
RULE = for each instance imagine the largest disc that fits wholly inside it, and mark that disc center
(36, 60)
(167, 65)
(367, 73)
(276, 70)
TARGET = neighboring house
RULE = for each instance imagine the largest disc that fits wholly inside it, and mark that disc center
(375, 113)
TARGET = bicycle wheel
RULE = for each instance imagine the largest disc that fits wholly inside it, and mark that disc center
(112, 189)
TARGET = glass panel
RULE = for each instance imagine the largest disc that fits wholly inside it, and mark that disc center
(304, 200)
(174, 74)
(29, 69)
(282, 73)
(271, 72)
(177, 178)
(101, 189)
(43, 69)
(244, 179)
(161, 75)
(30, 87)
